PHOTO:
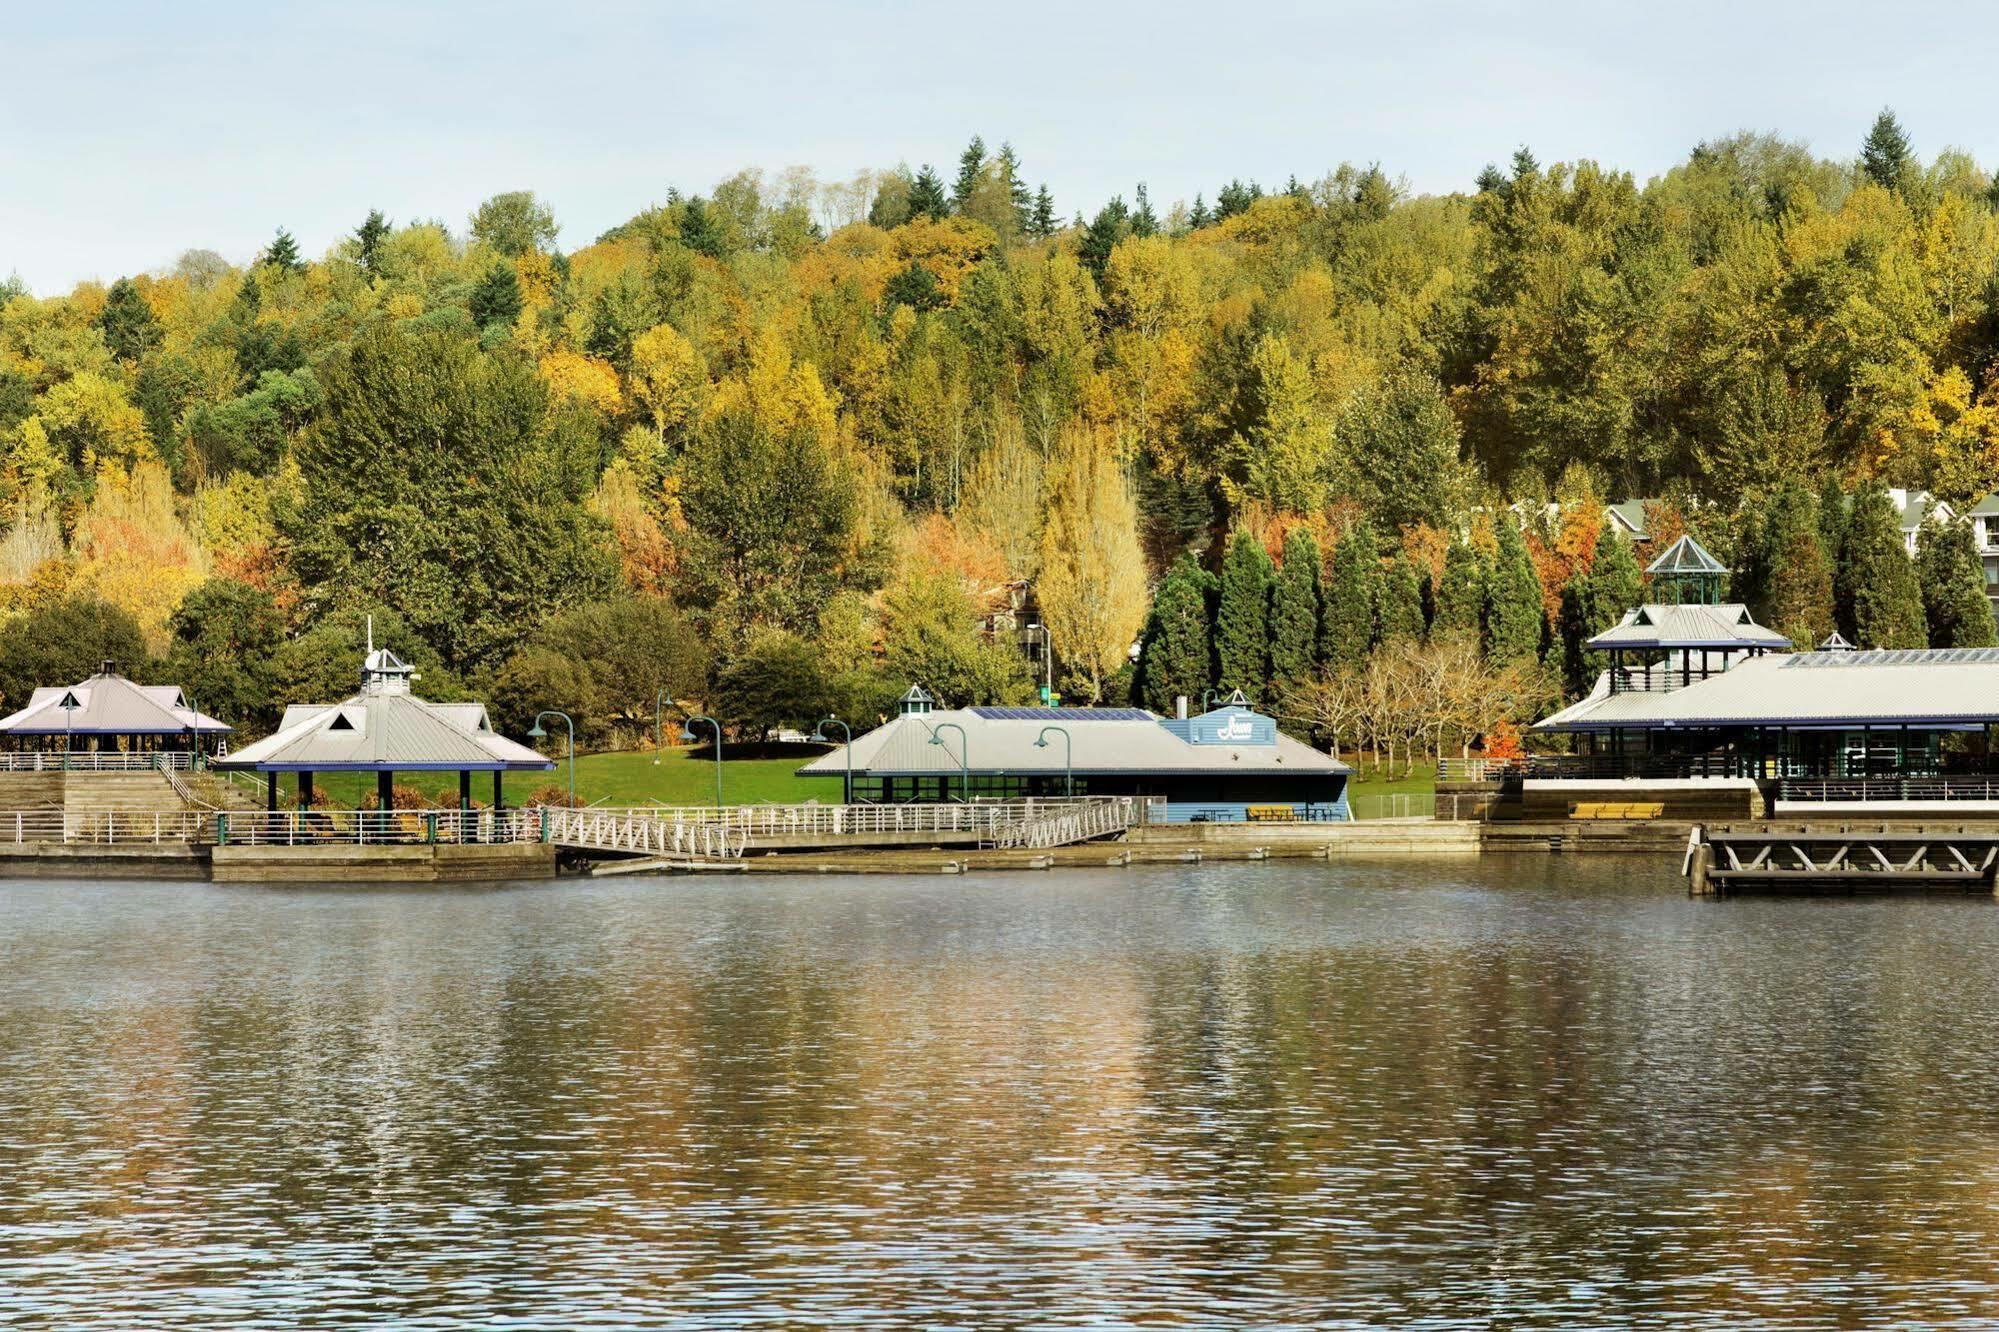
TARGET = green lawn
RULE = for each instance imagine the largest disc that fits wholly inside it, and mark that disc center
(1390, 779)
(618, 779)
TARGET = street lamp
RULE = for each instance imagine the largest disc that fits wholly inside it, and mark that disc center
(538, 734)
(964, 758)
(68, 726)
(1047, 660)
(1068, 756)
(687, 734)
(1208, 697)
(819, 734)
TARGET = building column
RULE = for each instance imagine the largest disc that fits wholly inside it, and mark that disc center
(271, 793)
(464, 789)
(305, 790)
(498, 803)
(385, 791)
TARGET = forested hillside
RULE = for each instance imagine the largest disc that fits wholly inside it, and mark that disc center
(777, 448)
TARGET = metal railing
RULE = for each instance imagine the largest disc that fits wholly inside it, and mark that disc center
(1882, 790)
(1068, 823)
(85, 760)
(1394, 805)
(1617, 767)
(104, 827)
(1476, 769)
(685, 829)
(372, 827)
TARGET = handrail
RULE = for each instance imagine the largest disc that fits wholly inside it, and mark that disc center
(90, 760)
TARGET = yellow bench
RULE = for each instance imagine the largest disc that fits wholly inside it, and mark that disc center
(1271, 813)
(1602, 809)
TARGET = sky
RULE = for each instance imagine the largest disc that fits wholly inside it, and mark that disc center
(132, 132)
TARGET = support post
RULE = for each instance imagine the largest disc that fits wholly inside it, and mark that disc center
(498, 803)
(385, 791)
(305, 790)
(271, 794)
(464, 790)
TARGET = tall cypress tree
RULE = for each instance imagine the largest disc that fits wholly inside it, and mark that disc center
(1953, 583)
(1514, 617)
(1353, 595)
(1177, 658)
(1242, 616)
(1295, 609)
(1875, 581)
(1461, 591)
(1400, 614)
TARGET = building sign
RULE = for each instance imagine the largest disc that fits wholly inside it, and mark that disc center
(1231, 726)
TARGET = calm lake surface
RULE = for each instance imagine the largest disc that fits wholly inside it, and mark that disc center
(1532, 1091)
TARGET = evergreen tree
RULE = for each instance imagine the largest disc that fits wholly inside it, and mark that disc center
(1016, 190)
(1514, 617)
(1787, 574)
(1044, 213)
(1235, 197)
(970, 163)
(497, 298)
(283, 253)
(368, 238)
(1401, 610)
(1885, 156)
(700, 230)
(1491, 180)
(1620, 583)
(926, 195)
(130, 330)
(1875, 581)
(1111, 225)
(1594, 600)
(1832, 510)
(1144, 222)
(1461, 591)
(1953, 583)
(1198, 216)
(1353, 596)
(1242, 616)
(1176, 659)
(1294, 609)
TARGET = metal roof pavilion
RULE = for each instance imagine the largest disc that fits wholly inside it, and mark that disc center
(109, 704)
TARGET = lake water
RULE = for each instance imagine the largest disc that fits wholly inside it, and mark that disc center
(1532, 1091)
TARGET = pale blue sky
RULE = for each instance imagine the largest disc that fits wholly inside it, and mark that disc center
(129, 133)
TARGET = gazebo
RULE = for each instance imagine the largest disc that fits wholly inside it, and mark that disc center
(109, 721)
(385, 729)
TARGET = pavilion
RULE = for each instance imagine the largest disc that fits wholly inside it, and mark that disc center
(1226, 765)
(108, 715)
(385, 729)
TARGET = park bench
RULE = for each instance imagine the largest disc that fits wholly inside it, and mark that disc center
(1604, 809)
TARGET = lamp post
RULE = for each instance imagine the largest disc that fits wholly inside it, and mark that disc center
(538, 734)
(964, 758)
(1047, 660)
(68, 726)
(1068, 756)
(1208, 697)
(819, 733)
(687, 734)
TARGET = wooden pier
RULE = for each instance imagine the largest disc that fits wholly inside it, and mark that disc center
(1841, 857)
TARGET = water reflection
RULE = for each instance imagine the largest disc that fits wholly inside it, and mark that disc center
(1539, 1092)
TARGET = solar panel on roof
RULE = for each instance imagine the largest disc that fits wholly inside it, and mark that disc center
(1848, 660)
(1061, 714)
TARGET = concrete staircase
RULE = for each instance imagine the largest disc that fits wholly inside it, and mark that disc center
(133, 804)
(214, 789)
(20, 791)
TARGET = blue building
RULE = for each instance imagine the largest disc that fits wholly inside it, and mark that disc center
(1229, 764)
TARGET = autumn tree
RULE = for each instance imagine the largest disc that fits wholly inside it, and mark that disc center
(514, 223)
(1092, 580)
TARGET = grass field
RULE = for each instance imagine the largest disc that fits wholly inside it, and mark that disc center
(618, 779)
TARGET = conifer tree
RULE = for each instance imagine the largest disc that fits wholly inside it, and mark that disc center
(1242, 616)
(1016, 190)
(1461, 591)
(282, 254)
(926, 195)
(130, 330)
(970, 163)
(1111, 225)
(1594, 600)
(1294, 610)
(497, 298)
(1353, 595)
(1875, 581)
(1787, 574)
(1401, 610)
(1177, 658)
(1514, 617)
(1144, 222)
(1044, 213)
(1885, 155)
(1198, 217)
(1953, 583)
(368, 238)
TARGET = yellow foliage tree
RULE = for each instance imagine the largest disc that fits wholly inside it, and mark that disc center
(668, 377)
(1092, 583)
(133, 550)
(584, 379)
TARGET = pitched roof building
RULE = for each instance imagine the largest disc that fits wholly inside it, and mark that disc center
(108, 711)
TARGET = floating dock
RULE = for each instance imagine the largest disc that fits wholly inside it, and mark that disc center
(1841, 857)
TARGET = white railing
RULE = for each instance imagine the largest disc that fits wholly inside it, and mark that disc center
(1069, 823)
(1881, 790)
(84, 760)
(1394, 805)
(691, 829)
(371, 827)
(103, 827)
(1474, 769)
